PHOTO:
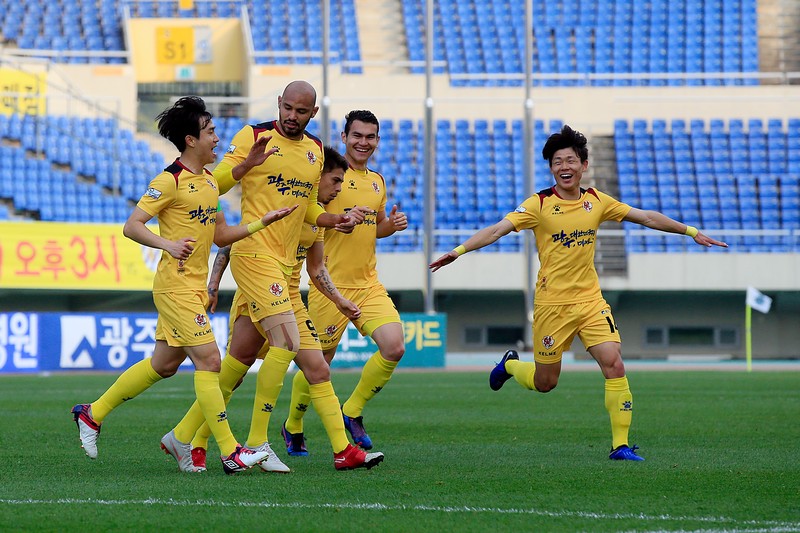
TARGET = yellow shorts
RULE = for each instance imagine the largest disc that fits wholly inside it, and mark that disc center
(308, 335)
(376, 307)
(555, 326)
(182, 318)
(263, 287)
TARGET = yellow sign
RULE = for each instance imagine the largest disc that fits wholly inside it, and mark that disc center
(51, 255)
(22, 92)
(174, 45)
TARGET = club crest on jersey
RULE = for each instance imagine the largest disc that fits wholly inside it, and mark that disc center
(201, 320)
(312, 157)
(276, 289)
(231, 149)
(587, 206)
(376, 187)
(153, 193)
(330, 330)
(548, 342)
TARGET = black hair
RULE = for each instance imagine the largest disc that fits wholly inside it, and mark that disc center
(566, 138)
(362, 115)
(187, 116)
(333, 160)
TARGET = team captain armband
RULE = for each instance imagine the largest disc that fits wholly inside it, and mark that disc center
(255, 226)
(460, 250)
(691, 231)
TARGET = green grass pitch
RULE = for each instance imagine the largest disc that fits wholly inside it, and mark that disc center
(721, 453)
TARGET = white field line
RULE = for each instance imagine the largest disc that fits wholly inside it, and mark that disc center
(734, 525)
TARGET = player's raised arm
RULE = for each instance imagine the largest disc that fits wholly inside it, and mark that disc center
(481, 238)
(659, 221)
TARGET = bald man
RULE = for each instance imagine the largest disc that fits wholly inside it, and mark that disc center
(278, 163)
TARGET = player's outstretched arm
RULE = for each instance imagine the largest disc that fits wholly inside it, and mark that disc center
(220, 264)
(484, 237)
(318, 273)
(135, 230)
(389, 225)
(659, 221)
(225, 234)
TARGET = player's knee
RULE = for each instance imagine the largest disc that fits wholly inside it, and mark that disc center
(394, 351)
(318, 374)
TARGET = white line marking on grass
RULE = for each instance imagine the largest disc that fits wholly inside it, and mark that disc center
(754, 526)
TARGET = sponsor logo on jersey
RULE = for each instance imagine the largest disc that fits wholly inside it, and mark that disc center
(587, 206)
(312, 157)
(201, 320)
(548, 342)
(211, 183)
(231, 149)
(557, 210)
(153, 193)
(192, 188)
(276, 289)
(520, 209)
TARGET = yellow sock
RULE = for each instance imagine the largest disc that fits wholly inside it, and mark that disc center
(128, 386)
(268, 386)
(301, 398)
(206, 387)
(194, 426)
(619, 404)
(374, 376)
(326, 404)
(522, 371)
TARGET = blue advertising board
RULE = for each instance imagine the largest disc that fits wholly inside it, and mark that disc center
(55, 342)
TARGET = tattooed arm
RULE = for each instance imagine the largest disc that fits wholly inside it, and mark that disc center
(220, 264)
(321, 278)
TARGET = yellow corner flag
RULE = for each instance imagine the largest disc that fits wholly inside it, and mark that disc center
(760, 302)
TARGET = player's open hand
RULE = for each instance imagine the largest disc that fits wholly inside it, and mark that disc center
(257, 154)
(181, 249)
(398, 219)
(445, 260)
(277, 214)
(348, 309)
(704, 240)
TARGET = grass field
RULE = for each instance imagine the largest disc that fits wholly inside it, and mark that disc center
(721, 453)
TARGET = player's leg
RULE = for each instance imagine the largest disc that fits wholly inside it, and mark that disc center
(135, 380)
(284, 339)
(602, 338)
(554, 328)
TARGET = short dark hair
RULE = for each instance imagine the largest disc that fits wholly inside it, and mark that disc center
(362, 115)
(333, 160)
(566, 138)
(185, 117)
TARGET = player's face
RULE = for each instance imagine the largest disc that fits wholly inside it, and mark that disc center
(360, 142)
(568, 169)
(206, 144)
(295, 111)
(330, 185)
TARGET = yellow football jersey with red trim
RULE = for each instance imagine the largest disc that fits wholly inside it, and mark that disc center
(186, 206)
(288, 177)
(566, 233)
(351, 258)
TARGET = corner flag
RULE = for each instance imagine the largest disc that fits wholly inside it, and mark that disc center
(761, 303)
(758, 301)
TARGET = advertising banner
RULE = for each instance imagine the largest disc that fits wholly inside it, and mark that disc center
(51, 255)
(55, 342)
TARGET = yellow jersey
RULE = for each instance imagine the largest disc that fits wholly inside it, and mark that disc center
(288, 177)
(308, 236)
(351, 258)
(566, 232)
(186, 206)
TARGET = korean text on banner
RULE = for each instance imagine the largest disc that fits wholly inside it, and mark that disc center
(49, 255)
